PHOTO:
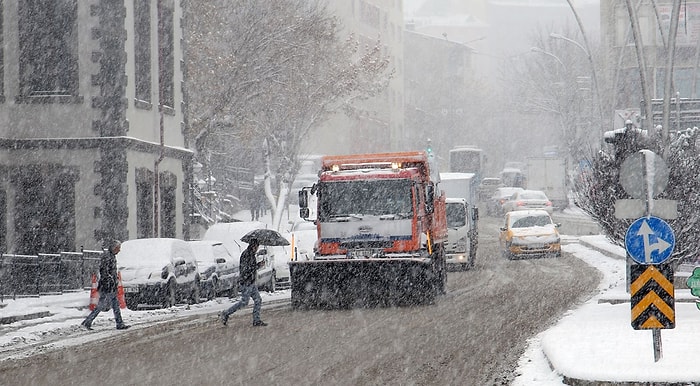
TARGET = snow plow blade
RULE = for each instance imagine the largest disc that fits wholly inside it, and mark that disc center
(362, 283)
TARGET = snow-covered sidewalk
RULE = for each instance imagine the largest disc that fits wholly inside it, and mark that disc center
(596, 342)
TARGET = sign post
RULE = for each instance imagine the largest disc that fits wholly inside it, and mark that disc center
(649, 242)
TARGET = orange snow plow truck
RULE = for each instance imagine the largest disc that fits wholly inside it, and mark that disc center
(381, 225)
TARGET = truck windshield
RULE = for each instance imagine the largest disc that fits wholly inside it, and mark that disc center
(376, 197)
(456, 215)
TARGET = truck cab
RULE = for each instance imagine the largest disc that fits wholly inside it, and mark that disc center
(460, 248)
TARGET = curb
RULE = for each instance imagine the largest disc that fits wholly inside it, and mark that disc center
(16, 318)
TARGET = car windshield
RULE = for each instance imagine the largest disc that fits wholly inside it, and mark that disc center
(506, 193)
(531, 221)
(533, 196)
(377, 197)
(456, 215)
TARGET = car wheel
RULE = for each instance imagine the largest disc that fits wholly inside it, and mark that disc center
(194, 295)
(211, 294)
(170, 294)
(132, 302)
(233, 292)
(273, 282)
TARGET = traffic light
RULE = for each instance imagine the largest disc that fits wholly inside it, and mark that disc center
(626, 140)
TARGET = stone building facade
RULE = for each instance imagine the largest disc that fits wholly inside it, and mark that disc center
(92, 124)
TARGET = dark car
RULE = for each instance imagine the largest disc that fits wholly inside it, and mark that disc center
(494, 207)
(158, 271)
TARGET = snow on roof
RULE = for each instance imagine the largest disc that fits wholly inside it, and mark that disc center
(456, 176)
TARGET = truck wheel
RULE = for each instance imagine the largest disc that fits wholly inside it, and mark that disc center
(440, 268)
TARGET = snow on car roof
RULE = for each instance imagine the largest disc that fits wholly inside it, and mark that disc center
(150, 251)
(527, 213)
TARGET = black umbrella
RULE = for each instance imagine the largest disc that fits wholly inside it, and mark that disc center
(267, 237)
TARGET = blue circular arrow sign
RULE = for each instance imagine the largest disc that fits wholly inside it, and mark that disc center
(650, 240)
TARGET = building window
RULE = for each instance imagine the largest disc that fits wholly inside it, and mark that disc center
(142, 49)
(682, 82)
(144, 203)
(168, 204)
(48, 48)
(166, 49)
(44, 209)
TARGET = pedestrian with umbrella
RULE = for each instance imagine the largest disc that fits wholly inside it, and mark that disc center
(249, 271)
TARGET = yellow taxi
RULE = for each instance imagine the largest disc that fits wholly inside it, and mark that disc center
(529, 233)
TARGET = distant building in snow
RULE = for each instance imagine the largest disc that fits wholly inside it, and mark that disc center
(379, 125)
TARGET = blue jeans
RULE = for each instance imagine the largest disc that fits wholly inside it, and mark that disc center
(247, 291)
(105, 299)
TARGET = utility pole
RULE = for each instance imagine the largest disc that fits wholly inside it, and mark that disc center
(594, 76)
(666, 126)
(641, 60)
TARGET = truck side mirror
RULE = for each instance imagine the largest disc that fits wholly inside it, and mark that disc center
(475, 214)
(303, 198)
(429, 198)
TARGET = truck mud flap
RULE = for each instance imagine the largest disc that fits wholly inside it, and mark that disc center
(337, 284)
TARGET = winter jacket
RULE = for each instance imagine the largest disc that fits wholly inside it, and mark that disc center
(108, 273)
(248, 267)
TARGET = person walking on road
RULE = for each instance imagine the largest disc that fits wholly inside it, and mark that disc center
(107, 287)
(248, 272)
(256, 200)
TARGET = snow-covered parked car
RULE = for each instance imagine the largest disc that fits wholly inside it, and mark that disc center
(158, 271)
(218, 270)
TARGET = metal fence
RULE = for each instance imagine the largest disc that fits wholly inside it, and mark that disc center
(45, 273)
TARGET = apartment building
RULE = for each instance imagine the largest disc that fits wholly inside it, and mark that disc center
(380, 125)
(92, 121)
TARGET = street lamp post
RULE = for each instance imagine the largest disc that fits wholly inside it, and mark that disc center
(594, 77)
(212, 195)
(196, 169)
(541, 51)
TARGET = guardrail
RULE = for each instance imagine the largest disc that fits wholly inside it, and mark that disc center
(45, 273)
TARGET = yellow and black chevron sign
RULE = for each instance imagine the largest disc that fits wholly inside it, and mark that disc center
(651, 288)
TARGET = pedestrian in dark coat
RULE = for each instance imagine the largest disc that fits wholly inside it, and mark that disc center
(248, 272)
(107, 287)
(255, 201)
